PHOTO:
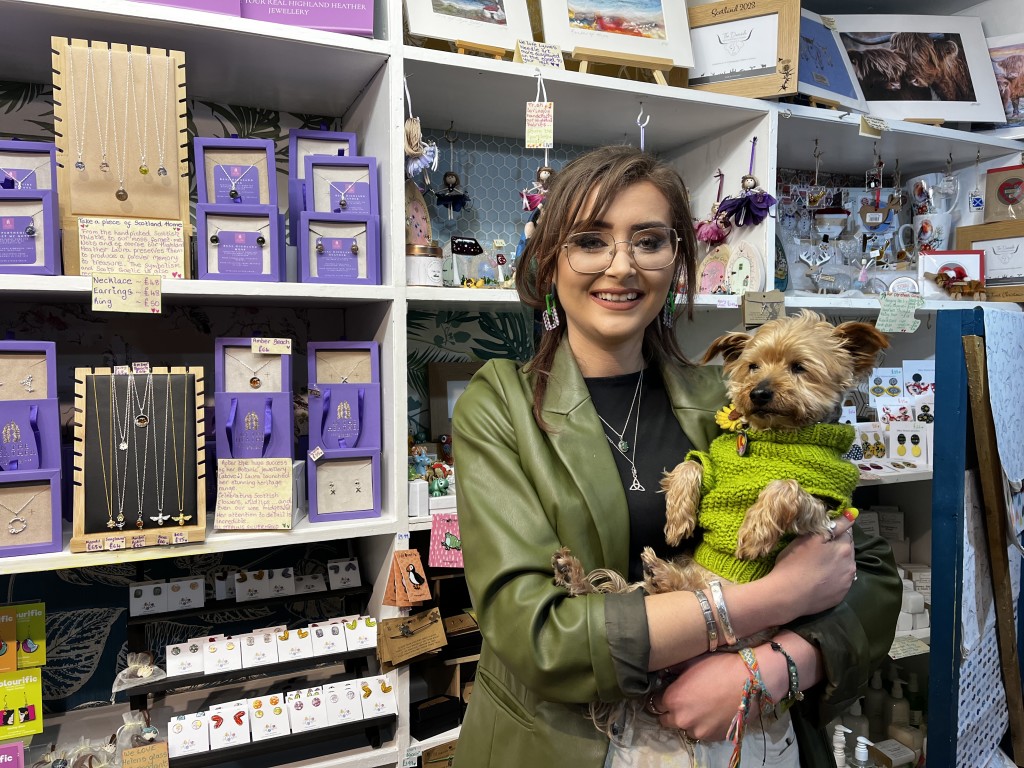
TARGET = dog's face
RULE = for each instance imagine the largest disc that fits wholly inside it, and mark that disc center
(795, 371)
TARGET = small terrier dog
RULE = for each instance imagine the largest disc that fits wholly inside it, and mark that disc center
(777, 476)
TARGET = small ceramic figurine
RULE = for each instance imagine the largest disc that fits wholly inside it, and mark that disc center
(439, 486)
(420, 460)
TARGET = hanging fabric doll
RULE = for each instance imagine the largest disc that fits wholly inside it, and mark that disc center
(751, 206)
(715, 228)
(452, 196)
(533, 198)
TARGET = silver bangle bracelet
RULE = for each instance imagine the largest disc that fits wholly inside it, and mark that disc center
(709, 619)
(723, 613)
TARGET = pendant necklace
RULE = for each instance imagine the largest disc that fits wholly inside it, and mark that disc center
(17, 524)
(107, 493)
(143, 129)
(255, 382)
(622, 445)
(121, 151)
(635, 486)
(30, 230)
(329, 370)
(179, 480)
(27, 382)
(141, 422)
(336, 186)
(105, 132)
(234, 194)
(260, 239)
(320, 241)
(124, 433)
(10, 173)
(80, 134)
(161, 468)
(161, 130)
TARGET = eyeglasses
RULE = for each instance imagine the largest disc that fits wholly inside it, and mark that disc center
(593, 252)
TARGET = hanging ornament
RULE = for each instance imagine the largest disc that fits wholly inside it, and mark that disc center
(976, 198)
(715, 228)
(452, 196)
(533, 196)
(751, 206)
(419, 155)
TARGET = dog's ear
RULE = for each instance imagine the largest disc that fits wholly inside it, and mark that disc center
(729, 346)
(864, 342)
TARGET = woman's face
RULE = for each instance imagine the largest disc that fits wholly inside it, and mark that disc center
(607, 313)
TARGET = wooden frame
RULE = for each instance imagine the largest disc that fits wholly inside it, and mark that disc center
(498, 25)
(733, 49)
(130, 537)
(998, 269)
(443, 380)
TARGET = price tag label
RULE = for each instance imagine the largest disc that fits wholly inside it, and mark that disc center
(140, 368)
(412, 755)
(115, 292)
(261, 346)
(728, 302)
(317, 453)
(122, 370)
(540, 124)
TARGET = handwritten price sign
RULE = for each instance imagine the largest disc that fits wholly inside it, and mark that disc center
(113, 292)
(261, 346)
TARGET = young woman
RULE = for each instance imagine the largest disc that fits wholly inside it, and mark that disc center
(569, 451)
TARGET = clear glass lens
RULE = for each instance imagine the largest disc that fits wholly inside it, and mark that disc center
(591, 252)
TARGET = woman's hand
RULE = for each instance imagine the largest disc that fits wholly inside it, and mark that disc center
(705, 697)
(814, 572)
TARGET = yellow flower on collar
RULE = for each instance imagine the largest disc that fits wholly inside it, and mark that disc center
(729, 419)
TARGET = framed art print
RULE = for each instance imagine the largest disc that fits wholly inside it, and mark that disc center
(446, 382)
(960, 265)
(922, 67)
(746, 49)
(1003, 244)
(498, 23)
(1007, 56)
(824, 72)
(650, 28)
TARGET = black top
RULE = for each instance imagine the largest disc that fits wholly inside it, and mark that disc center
(660, 445)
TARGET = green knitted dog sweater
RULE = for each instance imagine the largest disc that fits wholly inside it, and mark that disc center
(732, 483)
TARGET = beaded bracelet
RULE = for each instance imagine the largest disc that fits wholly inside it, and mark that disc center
(723, 613)
(709, 619)
(754, 686)
(794, 693)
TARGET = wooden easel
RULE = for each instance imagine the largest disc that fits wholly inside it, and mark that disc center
(817, 102)
(658, 67)
(925, 120)
(990, 473)
(462, 46)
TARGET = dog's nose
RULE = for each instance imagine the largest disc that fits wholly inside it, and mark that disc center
(761, 394)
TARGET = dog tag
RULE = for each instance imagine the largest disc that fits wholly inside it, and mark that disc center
(741, 443)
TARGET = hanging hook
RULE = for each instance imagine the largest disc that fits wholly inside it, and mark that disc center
(949, 165)
(642, 125)
(451, 130)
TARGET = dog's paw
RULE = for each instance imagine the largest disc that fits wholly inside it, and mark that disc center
(768, 519)
(569, 573)
(682, 498)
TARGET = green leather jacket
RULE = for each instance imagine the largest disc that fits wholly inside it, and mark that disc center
(524, 493)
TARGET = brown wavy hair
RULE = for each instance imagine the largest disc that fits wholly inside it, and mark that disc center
(609, 170)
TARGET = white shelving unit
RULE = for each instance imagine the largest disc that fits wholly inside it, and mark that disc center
(239, 61)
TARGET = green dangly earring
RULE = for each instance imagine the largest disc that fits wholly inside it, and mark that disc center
(668, 312)
(550, 314)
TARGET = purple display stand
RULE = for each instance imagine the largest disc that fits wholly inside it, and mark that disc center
(44, 150)
(223, 344)
(344, 416)
(230, 7)
(55, 543)
(268, 169)
(333, 144)
(296, 205)
(240, 436)
(240, 257)
(337, 264)
(349, 18)
(372, 506)
(363, 200)
(316, 346)
(18, 249)
(31, 439)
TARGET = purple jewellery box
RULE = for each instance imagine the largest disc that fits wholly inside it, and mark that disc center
(42, 370)
(353, 18)
(239, 242)
(343, 362)
(344, 484)
(254, 425)
(236, 171)
(28, 166)
(38, 522)
(238, 369)
(308, 141)
(230, 7)
(30, 435)
(341, 248)
(29, 234)
(341, 184)
(344, 416)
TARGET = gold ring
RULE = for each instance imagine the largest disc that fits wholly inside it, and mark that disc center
(650, 708)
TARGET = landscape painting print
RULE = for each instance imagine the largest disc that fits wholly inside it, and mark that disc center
(635, 18)
(488, 11)
(1007, 55)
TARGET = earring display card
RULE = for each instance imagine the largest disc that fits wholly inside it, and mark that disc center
(28, 165)
(30, 512)
(29, 234)
(339, 248)
(236, 171)
(183, 594)
(311, 583)
(229, 724)
(328, 639)
(919, 377)
(147, 597)
(885, 385)
(294, 644)
(28, 370)
(239, 369)
(342, 185)
(251, 585)
(258, 649)
(303, 142)
(135, 430)
(381, 697)
(224, 585)
(22, 697)
(343, 573)
(188, 734)
(344, 702)
(361, 632)
(343, 362)
(268, 717)
(911, 442)
(344, 485)
(30, 620)
(344, 416)
(239, 242)
(281, 581)
(185, 658)
(8, 638)
(224, 655)
(307, 709)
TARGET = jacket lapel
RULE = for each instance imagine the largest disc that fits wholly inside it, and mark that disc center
(695, 393)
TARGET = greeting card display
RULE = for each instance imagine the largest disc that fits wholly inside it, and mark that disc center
(339, 248)
(28, 165)
(236, 171)
(29, 234)
(239, 369)
(341, 185)
(139, 466)
(239, 242)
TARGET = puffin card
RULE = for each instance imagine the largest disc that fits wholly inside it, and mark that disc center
(412, 575)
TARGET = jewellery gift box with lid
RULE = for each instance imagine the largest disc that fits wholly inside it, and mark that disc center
(341, 185)
(239, 242)
(28, 165)
(345, 423)
(303, 142)
(339, 248)
(29, 234)
(236, 171)
(29, 411)
(253, 402)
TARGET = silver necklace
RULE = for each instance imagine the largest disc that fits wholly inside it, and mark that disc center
(255, 382)
(80, 135)
(105, 132)
(622, 445)
(635, 486)
(330, 370)
(234, 194)
(9, 173)
(161, 130)
(124, 435)
(336, 186)
(142, 421)
(121, 152)
(17, 524)
(161, 473)
(320, 241)
(141, 130)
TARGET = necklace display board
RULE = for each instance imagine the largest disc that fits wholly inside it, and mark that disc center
(139, 459)
(122, 147)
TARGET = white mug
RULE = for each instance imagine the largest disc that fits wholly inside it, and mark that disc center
(932, 231)
(933, 192)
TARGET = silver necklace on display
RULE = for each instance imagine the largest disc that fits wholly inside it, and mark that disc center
(9, 173)
(161, 468)
(161, 130)
(80, 134)
(234, 194)
(329, 370)
(105, 132)
(141, 422)
(141, 130)
(336, 186)
(622, 445)
(17, 524)
(255, 382)
(30, 230)
(121, 151)
(124, 435)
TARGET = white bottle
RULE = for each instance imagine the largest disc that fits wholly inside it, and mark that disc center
(874, 707)
(856, 721)
(839, 745)
(897, 708)
(860, 755)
